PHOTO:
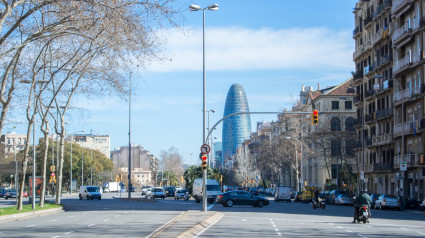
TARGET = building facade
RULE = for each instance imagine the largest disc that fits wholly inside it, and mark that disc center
(91, 141)
(236, 129)
(389, 77)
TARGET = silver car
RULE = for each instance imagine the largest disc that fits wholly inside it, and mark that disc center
(157, 192)
(387, 201)
(344, 199)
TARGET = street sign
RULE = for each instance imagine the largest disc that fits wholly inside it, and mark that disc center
(403, 166)
(205, 149)
(52, 174)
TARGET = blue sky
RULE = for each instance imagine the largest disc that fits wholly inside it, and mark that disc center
(271, 49)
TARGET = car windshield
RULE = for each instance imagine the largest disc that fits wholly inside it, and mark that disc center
(157, 190)
(11, 190)
(213, 188)
(170, 189)
(92, 189)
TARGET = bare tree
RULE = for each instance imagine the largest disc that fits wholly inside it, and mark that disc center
(172, 161)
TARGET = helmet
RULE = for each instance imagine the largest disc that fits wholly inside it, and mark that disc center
(364, 190)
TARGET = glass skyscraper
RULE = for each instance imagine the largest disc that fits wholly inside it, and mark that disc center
(237, 128)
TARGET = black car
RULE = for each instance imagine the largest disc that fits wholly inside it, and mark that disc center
(169, 191)
(231, 198)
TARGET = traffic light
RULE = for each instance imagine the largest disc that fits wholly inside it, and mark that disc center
(181, 178)
(315, 117)
(204, 162)
(221, 177)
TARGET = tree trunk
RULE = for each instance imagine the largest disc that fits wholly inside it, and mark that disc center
(24, 168)
(43, 176)
(60, 165)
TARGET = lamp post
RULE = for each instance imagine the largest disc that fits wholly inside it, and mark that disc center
(194, 7)
(33, 129)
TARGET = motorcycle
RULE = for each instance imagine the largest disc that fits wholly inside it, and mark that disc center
(363, 214)
(186, 196)
(319, 204)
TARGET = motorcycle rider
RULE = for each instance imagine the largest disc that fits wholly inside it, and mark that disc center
(362, 199)
(315, 200)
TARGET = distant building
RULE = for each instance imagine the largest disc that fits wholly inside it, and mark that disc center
(236, 129)
(91, 141)
(11, 143)
(218, 154)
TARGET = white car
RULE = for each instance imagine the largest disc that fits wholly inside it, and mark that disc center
(145, 189)
(387, 201)
(89, 192)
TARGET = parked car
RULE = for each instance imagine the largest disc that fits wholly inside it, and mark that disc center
(169, 191)
(373, 198)
(412, 203)
(228, 199)
(180, 193)
(89, 192)
(387, 201)
(2, 192)
(10, 193)
(344, 199)
(299, 197)
(157, 192)
(145, 188)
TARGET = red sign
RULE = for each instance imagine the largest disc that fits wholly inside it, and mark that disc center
(205, 149)
(53, 174)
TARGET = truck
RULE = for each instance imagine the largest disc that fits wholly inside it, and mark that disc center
(213, 189)
(109, 187)
(308, 193)
(282, 194)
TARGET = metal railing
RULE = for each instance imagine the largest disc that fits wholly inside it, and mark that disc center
(410, 159)
(382, 167)
(397, 97)
(406, 127)
(384, 113)
(398, 3)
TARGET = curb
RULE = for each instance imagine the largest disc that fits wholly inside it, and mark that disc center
(196, 229)
(26, 215)
(158, 231)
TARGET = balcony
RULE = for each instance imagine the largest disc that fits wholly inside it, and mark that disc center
(398, 4)
(368, 168)
(406, 62)
(387, 84)
(406, 95)
(382, 140)
(357, 75)
(383, 60)
(369, 118)
(412, 160)
(356, 99)
(370, 93)
(356, 31)
(382, 167)
(383, 113)
(357, 122)
(422, 124)
(367, 21)
(405, 30)
(368, 141)
(408, 127)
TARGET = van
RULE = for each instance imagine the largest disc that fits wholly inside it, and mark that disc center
(213, 189)
(89, 192)
(309, 192)
(282, 194)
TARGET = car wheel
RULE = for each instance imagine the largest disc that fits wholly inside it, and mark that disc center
(91, 198)
(229, 203)
(88, 197)
(163, 197)
(6, 198)
(260, 204)
(224, 204)
(80, 197)
(100, 198)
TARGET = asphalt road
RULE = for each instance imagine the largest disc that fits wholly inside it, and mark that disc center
(116, 218)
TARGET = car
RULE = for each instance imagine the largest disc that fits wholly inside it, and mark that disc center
(373, 198)
(10, 193)
(334, 194)
(387, 201)
(422, 206)
(89, 192)
(344, 199)
(2, 192)
(228, 199)
(180, 193)
(145, 189)
(169, 191)
(298, 197)
(157, 192)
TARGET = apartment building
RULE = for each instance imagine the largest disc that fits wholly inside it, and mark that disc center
(389, 60)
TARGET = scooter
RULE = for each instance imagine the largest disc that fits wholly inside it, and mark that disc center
(316, 204)
(186, 196)
(363, 214)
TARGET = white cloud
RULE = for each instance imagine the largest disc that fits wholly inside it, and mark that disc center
(250, 49)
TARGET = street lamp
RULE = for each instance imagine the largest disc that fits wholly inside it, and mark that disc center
(194, 7)
(33, 138)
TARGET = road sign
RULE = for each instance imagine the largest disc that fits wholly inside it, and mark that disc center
(52, 174)
(403, 166)
(205, 149)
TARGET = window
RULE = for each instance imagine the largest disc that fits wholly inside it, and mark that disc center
(335, 148)
(349, 147)
(335, 124)
(335, 105)
(349, 124)
(348, 105)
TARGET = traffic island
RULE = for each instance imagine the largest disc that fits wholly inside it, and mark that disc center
(137, 199)
(187, 224)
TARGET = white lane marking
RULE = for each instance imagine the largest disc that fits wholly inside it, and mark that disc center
(206, 228)
(117, 215)
(243, 219)
(279, 234)
(55, 236)
(125, 212)
(210, 207)
(106, 220)
(362, 236)
(348, 231)
(71, 216)
(91, 224)
(69, 232)
(331, 224)
(302, 223)
(85, 213)
(53, 220)
(274, 225)
(339, 227)
(276, 229)
(420, 233)
(404, 229)
(30, 226)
